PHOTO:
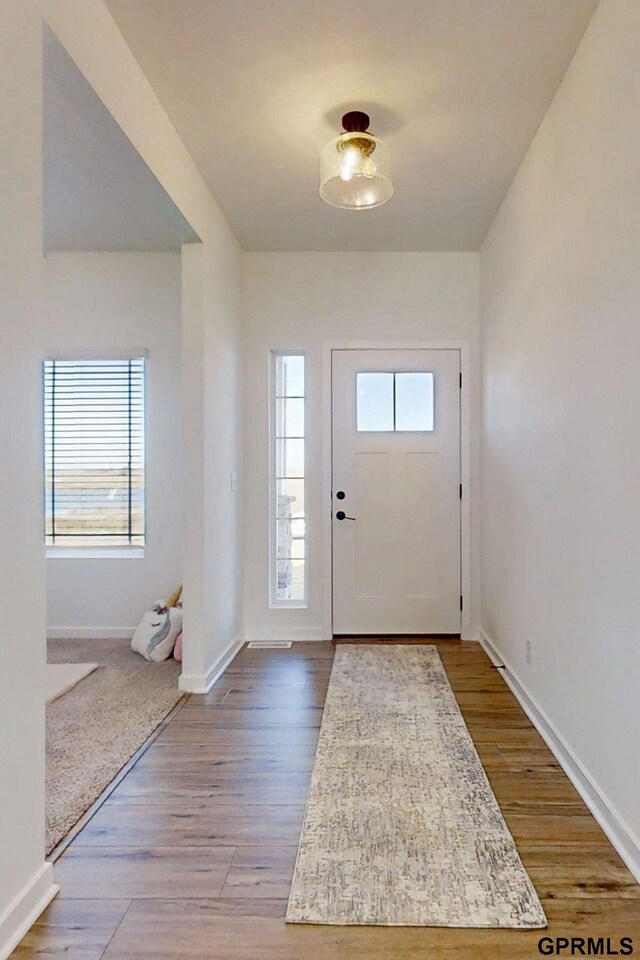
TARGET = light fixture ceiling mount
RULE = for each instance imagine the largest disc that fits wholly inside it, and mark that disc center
(354, 167)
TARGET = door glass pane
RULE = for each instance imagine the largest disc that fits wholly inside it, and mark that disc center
(288, 545)
(374, 401)
(414, 401)
(297, 548)
(290, 418)
(290, 579)
(289, 458)
(297, 527)
(290, 376)
(290, 497)
(283, 539)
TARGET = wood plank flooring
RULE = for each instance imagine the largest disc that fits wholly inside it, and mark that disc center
(192, 855)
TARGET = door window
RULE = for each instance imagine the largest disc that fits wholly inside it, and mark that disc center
(400, 402)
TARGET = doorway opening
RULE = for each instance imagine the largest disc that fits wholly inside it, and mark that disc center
(112, 425)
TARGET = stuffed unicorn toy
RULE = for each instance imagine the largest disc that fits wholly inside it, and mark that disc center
(157, 632)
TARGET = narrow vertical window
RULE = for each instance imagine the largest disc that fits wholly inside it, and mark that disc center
(288, 573)
(94, 453)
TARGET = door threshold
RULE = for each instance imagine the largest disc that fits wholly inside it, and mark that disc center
(393, 637)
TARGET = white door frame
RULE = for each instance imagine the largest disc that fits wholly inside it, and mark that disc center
(465, 465)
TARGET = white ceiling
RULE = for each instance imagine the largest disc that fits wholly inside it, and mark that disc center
(256, 87)
(98, 192)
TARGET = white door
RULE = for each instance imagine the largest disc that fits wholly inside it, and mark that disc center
(396, 491)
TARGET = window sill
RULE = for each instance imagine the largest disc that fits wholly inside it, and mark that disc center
(94, 553)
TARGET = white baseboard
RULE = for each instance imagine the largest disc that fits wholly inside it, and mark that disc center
(612, 823)
(20, 916)
(491, 651)
(294, 634)
(202, 683)
(90, 633)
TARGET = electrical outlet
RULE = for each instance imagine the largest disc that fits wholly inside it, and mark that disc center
(529, 649)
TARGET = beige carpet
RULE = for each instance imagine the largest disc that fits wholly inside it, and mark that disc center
(98, 725)
(62, 677)
(401, 826)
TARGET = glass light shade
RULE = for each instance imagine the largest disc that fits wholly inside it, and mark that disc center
(355, 172)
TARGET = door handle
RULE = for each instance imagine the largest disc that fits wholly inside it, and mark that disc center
(341, 515)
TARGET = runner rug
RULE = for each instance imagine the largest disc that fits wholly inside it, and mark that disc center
(402, 827)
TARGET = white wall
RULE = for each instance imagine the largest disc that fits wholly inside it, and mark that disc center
(560, 279)
(89, 34)
(97, 304)
(211, 375)
(25, 882)
(212, 350)
(298, 301)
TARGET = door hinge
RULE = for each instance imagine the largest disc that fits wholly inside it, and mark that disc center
(461, 491)
(461, 602)
(461, 381)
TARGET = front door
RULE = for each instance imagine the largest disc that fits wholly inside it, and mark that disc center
(396, 491)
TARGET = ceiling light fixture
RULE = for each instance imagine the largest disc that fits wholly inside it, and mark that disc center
(354, 167)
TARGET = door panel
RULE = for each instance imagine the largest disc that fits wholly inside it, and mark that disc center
(373, 534)
(396, 565)
(418, 495)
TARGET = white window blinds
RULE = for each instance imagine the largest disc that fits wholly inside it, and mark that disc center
(94, 452)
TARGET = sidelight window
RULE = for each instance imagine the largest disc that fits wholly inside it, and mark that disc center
(288, 573)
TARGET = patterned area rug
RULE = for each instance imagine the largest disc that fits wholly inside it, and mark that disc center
(97, 727)
(401, 826)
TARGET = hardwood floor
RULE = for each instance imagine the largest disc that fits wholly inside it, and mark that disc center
(192, 855)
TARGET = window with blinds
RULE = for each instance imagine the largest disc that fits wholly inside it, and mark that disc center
(94, 452)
